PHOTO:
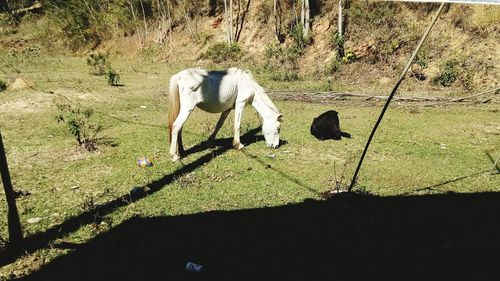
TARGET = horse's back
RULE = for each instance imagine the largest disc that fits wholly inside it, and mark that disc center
(215, 90)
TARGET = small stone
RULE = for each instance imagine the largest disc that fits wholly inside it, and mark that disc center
(34, 220)
(143, 106)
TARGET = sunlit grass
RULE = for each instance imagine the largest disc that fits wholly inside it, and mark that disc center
(414, 152)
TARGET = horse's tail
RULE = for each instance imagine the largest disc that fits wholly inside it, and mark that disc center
(173, 103)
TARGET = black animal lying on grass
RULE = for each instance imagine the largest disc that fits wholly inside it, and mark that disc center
(327, 126)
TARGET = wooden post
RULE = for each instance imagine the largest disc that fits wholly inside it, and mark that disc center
(15, 232)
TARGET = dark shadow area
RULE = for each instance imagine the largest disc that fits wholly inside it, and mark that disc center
(351, 236)
(43, 239)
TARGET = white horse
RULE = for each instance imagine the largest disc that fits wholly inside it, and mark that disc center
(215, 92)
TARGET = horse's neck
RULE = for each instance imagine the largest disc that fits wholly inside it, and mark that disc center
(264, 105)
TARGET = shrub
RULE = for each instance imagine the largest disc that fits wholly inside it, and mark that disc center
(281, 61)
(3, 85)
(420, 60)
(300, 41)
(79, 124)
(333, 67)
(112, 77)
(338, 44)
(349, 57)
(448, 74)
(221, 51)
(98, 63)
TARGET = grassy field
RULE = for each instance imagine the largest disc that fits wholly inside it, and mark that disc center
(418, 150)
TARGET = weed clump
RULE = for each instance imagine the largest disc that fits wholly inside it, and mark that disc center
(448, 74)
(98, 63)
(112, 77)
(80, 124)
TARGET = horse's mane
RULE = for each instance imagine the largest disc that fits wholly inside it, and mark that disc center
(259, 90)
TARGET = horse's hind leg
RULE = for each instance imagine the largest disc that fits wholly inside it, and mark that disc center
(219, 124)
(180, 146)
(176, 143)
(238, 111)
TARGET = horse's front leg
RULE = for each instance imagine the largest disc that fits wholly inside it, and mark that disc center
(219, 124)
(238, 111)
(176, 129)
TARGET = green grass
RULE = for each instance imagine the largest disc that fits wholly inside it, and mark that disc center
(406, 156)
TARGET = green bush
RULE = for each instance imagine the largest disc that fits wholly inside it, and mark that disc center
(300, 41)
(420, 60)
(98, 63)
(221, 52)
(112, 77)
(79, 124)
(338, 44)
(448, 75)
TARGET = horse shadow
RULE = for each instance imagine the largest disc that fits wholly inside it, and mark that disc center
(247, 139)
(349, 237)
(43, 239)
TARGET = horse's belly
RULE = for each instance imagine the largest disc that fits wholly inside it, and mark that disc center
(216, 101)
(216, 107)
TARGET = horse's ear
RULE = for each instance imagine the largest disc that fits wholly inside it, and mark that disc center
(280, 117)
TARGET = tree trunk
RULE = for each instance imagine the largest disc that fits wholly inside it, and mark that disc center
(135, 22)
(307, 22)
(340, 19)
(277, 19)
(242, 21)
(169, 14)
(212, 8)
(228, 28)
(346, 16)
(231, 20)
(15, 231)
(144, 19)
(186, 16)
(4, 6)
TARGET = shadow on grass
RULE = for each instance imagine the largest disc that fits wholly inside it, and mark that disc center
(436, 186)
(349, 237)
(44, 239)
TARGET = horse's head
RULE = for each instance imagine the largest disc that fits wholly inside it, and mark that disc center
(271, 131)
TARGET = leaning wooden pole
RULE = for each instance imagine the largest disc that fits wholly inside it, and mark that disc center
(408, 64)
(15, 232)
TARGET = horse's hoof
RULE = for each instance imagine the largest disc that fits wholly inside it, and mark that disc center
(175, 158)
(238, 145)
